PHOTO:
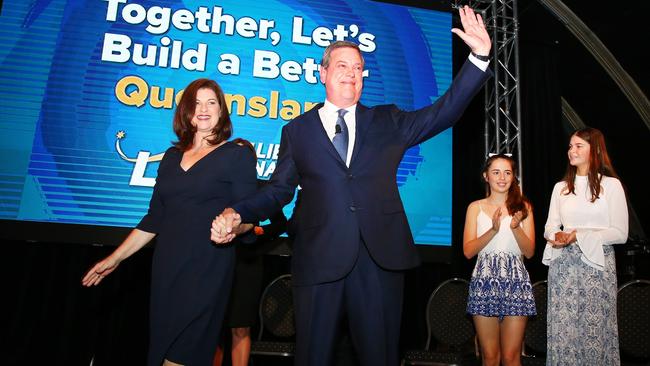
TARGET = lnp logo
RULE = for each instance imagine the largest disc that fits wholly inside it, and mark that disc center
(144, 157)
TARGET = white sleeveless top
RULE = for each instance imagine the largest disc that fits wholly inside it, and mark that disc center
(503, 241)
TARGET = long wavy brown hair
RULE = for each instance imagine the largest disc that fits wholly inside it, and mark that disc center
(599, 163)
(515, 201)
(242, 142)
(186, 109)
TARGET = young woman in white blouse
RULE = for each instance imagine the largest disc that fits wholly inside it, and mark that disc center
(587, 214)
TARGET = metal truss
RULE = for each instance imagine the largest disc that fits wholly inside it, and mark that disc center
(502, 95)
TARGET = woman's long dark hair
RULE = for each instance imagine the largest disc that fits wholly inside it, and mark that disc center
(185, 112)
(242, 142)
(515, 201)
(599, 163)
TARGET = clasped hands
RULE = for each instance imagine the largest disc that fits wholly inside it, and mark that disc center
(226, 226)
(563, 239)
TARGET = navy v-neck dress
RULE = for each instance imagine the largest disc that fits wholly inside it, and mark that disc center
(191, 276)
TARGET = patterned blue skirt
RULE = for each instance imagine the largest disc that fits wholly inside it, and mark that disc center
(582, 324)
(500, 286)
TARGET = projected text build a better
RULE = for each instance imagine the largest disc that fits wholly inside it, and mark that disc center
(171, 53)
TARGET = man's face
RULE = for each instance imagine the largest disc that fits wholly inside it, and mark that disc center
(343, 77)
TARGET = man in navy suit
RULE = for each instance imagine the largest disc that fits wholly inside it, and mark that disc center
(352, 240)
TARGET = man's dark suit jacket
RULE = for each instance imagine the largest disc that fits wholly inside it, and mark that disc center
(341, 205)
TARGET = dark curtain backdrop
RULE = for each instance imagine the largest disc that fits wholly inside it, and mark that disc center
(543, 138)
(50, 319)
(53, 320)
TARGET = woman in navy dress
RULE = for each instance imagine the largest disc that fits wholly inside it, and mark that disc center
(500, 229)
(191, 276)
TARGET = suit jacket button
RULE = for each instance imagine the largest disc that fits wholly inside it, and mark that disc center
(353, 208)
(350, 176)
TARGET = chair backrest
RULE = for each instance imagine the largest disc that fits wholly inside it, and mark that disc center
(276, 308)
(633, 301)
(535, 336)
(447, 320)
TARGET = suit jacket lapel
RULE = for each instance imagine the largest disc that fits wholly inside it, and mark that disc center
(363, 120)
(317, 132)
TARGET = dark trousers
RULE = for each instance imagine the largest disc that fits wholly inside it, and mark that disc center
(370, 296)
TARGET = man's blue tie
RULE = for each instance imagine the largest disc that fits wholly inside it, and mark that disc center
(340, 139)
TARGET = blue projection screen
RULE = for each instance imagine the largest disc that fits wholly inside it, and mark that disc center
(88, 90)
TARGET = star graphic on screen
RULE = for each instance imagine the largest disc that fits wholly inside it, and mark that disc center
(120, 135)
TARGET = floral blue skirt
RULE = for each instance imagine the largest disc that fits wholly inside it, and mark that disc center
(500, 286)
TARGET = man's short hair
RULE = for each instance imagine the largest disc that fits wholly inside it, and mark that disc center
(325, 62)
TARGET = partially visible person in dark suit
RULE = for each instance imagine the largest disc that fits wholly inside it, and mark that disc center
(292, 223)
(243, 308)
(352, 240)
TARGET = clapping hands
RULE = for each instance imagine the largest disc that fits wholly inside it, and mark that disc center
(496, 220)
(516, 220)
